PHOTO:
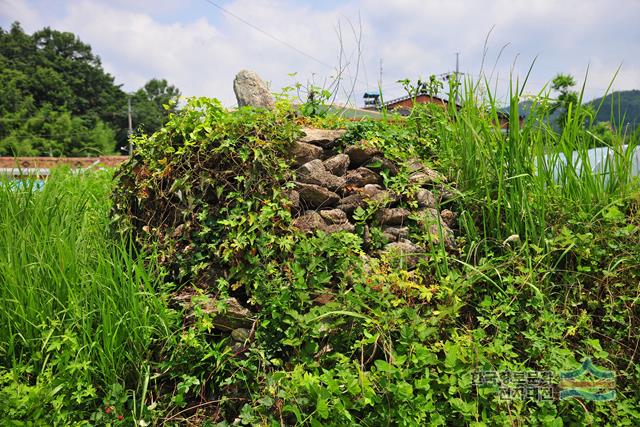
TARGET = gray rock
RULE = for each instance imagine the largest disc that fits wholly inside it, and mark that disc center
(421, 178)
(449, 217)
(360, 153)
(406, 253)
(303, 153)
(337, 164)
(366, 237)
(443, 232)
(232, 317)
(428, 216)
(251, 90)
(315, 196)
(351, 203)
(312, 221)
(393, 216)
(415, 165)
(431, 221)
(421, 172)
(309, 221)
(325, 138)
(397, 232)
(362, 176)
(337, 221)
(294, 197)
(334, 216)
(425, 198)
(376, 193)
(345, 226)
(314, 172)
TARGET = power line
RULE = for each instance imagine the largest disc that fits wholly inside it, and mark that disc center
(283, 42)
(271, 36)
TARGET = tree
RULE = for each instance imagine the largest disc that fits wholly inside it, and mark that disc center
(567, 99)
(153, 103)
(56, 99)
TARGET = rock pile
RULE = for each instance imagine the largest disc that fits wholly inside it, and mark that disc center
(330, 186)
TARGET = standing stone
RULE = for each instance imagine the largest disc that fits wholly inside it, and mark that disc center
(251, 90)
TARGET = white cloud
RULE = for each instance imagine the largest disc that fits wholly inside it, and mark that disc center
(19, 10)
(201, 51)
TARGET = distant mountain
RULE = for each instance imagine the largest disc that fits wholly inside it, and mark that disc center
(626, 104)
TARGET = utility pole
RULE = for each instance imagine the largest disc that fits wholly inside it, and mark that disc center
(380, 80)
(130, 132)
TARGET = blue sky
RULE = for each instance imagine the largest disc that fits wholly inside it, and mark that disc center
(199, 48)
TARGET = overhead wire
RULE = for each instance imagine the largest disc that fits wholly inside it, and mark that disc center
(279, 40)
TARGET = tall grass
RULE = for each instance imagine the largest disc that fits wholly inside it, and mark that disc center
(67, 286)
(521, 176)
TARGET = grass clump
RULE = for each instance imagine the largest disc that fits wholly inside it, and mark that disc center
(79, 315)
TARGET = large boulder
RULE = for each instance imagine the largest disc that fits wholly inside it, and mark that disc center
(252, 91)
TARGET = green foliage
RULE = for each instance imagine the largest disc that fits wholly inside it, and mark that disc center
(546, 274)
(79, 310)
(432, 87)
(56, 99)
(153, 104)
(620, 108)
(567, 99)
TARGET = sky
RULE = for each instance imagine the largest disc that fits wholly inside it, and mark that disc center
(199, 45)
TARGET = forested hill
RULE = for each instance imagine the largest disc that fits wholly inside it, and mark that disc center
(57, 100)
(619, 105)
(626, 104)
